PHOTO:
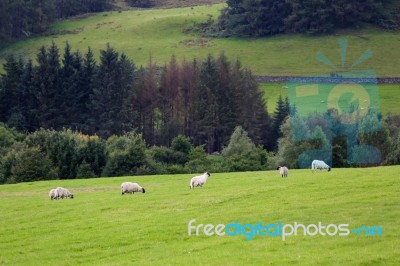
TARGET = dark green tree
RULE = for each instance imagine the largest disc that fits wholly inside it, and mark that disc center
(9, 94)
(280, 114)
(110, 96)
(47, 83)
(125, 155)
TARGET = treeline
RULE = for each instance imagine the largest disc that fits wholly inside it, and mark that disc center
(265, 18)
(203, 100)
(369, 141)
(21, 18)
(65, 154)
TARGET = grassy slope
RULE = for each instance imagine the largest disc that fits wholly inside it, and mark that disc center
(159, 32)
(101, 227)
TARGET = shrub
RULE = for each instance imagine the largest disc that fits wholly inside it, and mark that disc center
(181, 144)
(125, 155)
(31, 164)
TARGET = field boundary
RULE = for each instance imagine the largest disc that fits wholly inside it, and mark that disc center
(389, 80)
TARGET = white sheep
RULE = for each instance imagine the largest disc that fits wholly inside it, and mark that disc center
(53, 194)
(316, 164)
(283, 170)
(129, 187)
(63, 193)
(199, 181)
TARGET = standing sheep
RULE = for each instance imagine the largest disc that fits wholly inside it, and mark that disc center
(199, 181)
(316, 164)
(129, 187)
(283, 170)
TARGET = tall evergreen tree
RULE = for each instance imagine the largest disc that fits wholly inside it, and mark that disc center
(225, 101)
(86, 80)
(47, 85)
(110, 93)
(250, 106)
(281, 112)
(205, 107)
(9, 91)
(28, 103)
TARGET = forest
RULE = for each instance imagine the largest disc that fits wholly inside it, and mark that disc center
(266, 18)
(203, 100)
(68, 116)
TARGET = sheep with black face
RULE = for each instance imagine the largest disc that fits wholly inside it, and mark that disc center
(129, 187)
(199, 181)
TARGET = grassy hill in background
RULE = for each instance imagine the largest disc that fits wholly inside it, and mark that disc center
(160, 33)
(101, 227)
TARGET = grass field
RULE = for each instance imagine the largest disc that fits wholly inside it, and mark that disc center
(388, 96)
(160, 33)
(101, 227)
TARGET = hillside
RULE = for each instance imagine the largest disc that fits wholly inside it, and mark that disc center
(183, 3)
(160, 33)
(101, 227)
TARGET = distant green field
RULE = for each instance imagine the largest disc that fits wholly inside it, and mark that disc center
(160, 33)
(101, 227)
(388, 96)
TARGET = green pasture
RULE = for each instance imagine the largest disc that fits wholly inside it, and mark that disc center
(384, 97)
(101, 227)
(160, 33)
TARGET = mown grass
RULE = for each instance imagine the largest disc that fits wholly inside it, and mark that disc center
(101, 227)
(160, 33)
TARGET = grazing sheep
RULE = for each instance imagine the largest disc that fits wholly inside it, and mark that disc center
(53, 194)
(129, 187)
(283, 170)
(63, 193)
(199, 181)
(316, 164)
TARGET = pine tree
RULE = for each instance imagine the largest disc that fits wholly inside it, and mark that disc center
(281, 112)
(9, 91)
(86, 81)
(47, 85)
(110, 94)
(225, 100)
(205, 108)
(250, 107)
(28, 103)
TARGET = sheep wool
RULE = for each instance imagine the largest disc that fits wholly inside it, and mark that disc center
(199, 181)
(63, 193)
(53, 194)
(129, 187)
(316, 164)
(283, 170)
